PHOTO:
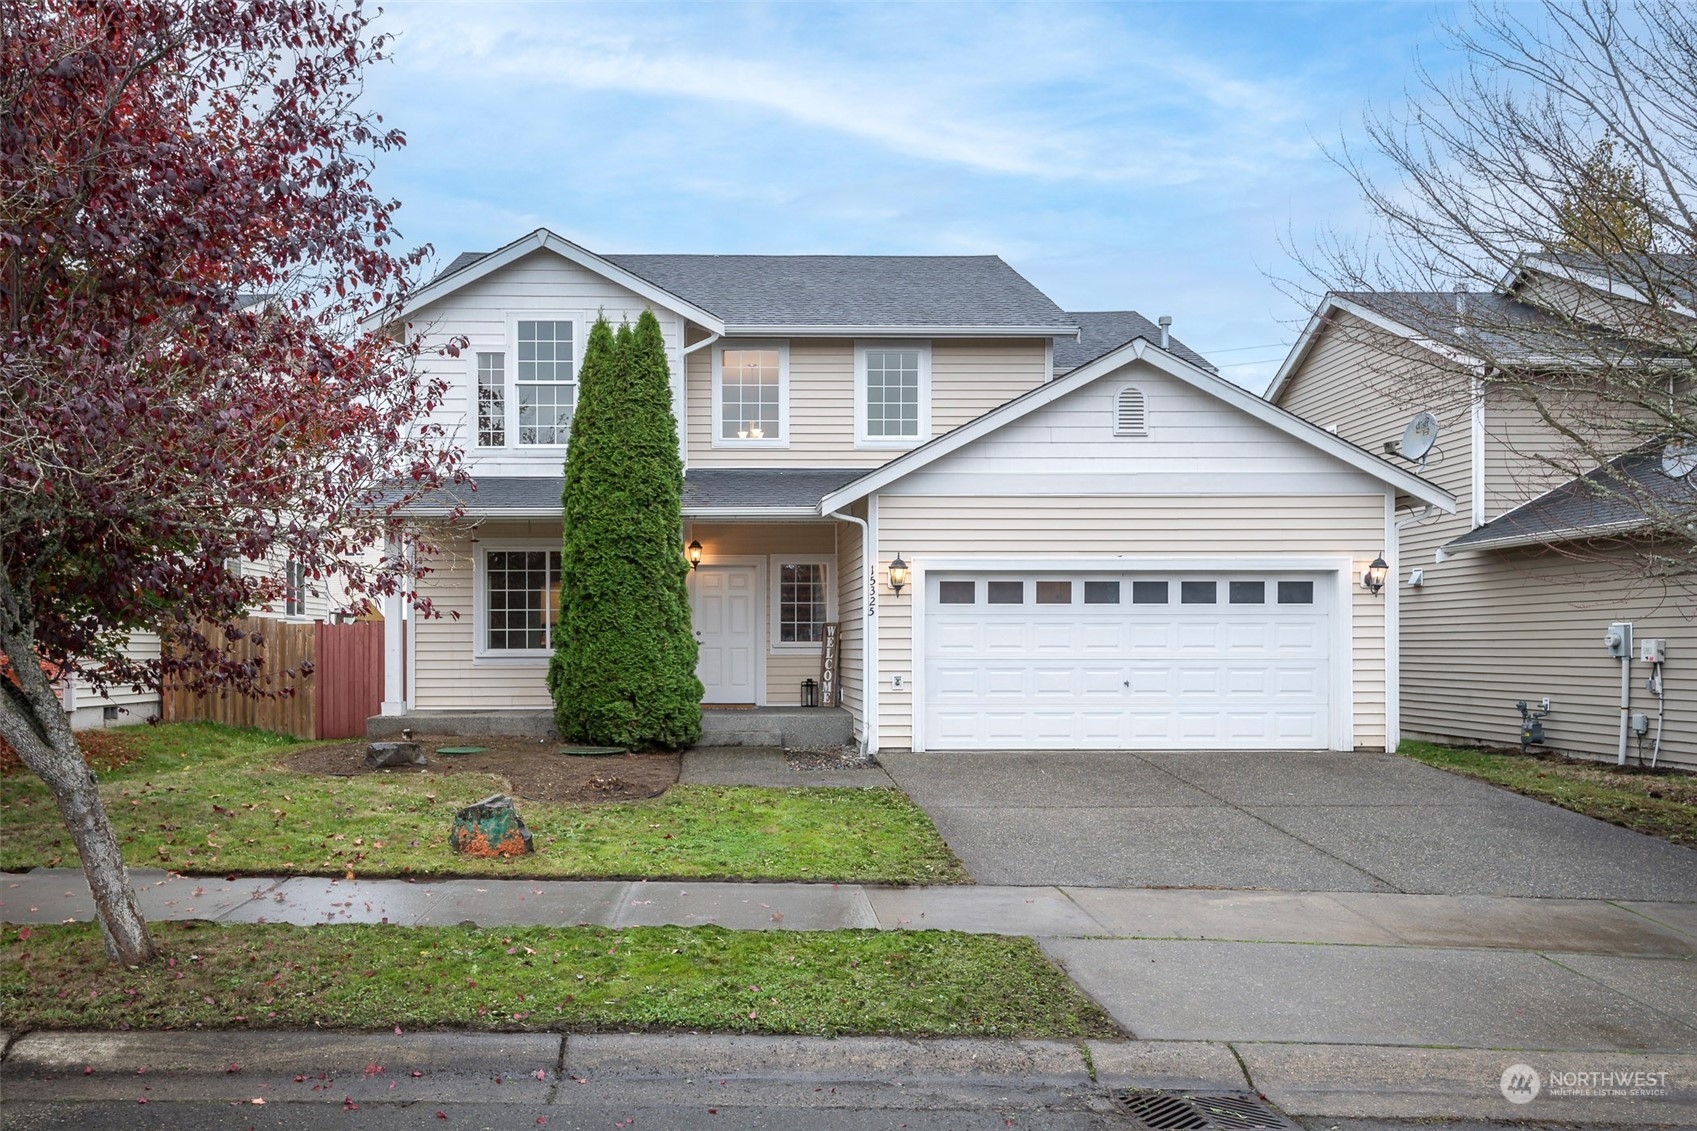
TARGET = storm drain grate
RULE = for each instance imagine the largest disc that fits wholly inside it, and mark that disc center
(1182, 1111)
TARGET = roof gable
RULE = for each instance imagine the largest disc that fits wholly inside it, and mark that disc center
(1140, 349)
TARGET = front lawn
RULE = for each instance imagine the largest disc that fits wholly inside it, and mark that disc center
(199, 798)
(917, 983)
(1658, 804)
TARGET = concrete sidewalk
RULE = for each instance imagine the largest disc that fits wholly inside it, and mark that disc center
(55, 1079)
(1338, 967)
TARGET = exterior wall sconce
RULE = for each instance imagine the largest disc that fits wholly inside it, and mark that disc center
(694, 554)
(898, 574)
(1374, 579)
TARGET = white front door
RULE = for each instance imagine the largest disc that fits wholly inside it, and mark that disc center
(725, 608)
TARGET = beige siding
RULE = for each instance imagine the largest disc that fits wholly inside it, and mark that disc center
(1147, 527)
(968, 379)
(446, 677)
(1487, 629)
(1491, 628)
(539, 283)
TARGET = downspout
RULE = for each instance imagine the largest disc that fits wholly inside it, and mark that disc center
(1476, 440)
(869, 633)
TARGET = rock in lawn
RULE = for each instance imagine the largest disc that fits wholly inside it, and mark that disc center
(490, 827)
(380, 754)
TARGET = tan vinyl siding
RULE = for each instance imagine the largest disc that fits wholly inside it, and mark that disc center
(1486, 629)
(1491, 628)
(1515, 437)
(446, 677)
(968, 379)
(1054, 528)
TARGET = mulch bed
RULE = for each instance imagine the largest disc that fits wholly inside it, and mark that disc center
(533, 770)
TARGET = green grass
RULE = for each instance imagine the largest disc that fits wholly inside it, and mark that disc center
(198, 798)
(1660, 804)
(930, 983)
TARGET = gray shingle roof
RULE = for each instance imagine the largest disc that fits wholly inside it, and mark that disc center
(1610, 500)
(1491, 326)
(852, 290)
(705, 488)
(1104, 331)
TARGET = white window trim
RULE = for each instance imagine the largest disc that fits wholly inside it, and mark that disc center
(480, 650)
(510, 377)
(774, 573)
(718, 351)
(889, 443)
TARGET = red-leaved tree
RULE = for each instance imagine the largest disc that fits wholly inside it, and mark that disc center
(190, 241)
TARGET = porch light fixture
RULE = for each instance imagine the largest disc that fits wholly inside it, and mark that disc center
(1374, 579)
(694, 554)
(898, 573)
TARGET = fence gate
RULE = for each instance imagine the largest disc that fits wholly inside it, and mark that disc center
(344, 689)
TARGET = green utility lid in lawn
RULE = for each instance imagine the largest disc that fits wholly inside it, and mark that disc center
(456, 751)
(592, 751)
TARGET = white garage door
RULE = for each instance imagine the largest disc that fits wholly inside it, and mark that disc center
(1127, 661)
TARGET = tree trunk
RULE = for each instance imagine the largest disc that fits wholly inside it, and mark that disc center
(32, 720)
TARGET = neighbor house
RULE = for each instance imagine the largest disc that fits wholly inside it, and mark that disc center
(1101, 542)
(1509, 598)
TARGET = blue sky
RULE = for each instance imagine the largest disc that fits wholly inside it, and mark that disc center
(1143, 156)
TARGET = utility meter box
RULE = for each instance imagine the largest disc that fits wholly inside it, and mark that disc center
(1652, 650)
(1618, 640)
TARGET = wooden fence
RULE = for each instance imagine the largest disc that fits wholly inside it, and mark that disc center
(344, 688)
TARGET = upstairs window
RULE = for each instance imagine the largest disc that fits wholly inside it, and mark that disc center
(892, 394)
(491, 400)
(546, 385)
(751, 395)
(1131, 413)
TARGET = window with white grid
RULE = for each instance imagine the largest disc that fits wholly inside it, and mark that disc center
(294, 588)
(802, 602)
(521, 599)
(546, 385)
(893, 389)
(491, 400)
(751, 402)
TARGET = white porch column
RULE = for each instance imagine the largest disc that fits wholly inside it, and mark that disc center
(394, 644)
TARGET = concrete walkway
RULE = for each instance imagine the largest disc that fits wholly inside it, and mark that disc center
(1351, 967)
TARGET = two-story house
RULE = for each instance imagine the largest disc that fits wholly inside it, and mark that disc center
(1101, 543)
(1509, 598)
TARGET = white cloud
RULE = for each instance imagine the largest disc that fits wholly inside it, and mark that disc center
(1051, 93)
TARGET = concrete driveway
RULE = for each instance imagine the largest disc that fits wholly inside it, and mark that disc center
(1291, 821)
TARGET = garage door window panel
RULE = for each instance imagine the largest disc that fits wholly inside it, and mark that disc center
(1005, 592)
(1054, 592)
(1296, 592)
(1247, 592)
(1149, 592)
(1101, 592)
(957, 592)
(1198, 592)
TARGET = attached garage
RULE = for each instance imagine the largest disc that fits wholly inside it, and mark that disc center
(1190, 575)
(1057, 659)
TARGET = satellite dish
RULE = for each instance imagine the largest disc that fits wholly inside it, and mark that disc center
(1418, 437)
(1679, 458)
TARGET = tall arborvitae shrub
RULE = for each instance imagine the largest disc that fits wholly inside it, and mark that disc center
(623, 670)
